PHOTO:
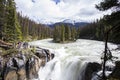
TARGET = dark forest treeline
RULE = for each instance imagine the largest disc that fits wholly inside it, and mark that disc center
(9, 26)
(14, 27)
(64, 33)
(97, 30)
(94, 30)
(108, 25)
(31, 29)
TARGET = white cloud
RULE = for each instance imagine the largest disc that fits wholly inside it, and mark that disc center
(48, 10)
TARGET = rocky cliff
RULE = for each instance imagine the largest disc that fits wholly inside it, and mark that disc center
(23, 65)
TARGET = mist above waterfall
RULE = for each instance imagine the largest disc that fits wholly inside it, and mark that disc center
(70, 59)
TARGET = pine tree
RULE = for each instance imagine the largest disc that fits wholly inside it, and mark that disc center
(112, 23)
(55, 34)
(108, 4)
(67, 33)
(12, 27)
(2, 16)
(78, 32)
(73, 34)
(62, 33)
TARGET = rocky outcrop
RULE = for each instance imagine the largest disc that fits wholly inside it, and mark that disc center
(32, 66)
(116, 71)
(23, 65)
(90, 70)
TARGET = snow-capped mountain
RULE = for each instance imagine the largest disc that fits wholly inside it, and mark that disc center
(70, 21)
(75, 23)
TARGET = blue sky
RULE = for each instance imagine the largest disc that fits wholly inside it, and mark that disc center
(56, 1)
(46, 11)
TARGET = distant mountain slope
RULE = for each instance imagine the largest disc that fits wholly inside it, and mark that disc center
(75, 24)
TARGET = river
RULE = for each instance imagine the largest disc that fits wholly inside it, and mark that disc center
(71, 58)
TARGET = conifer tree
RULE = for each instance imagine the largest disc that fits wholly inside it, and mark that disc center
(2, 16)
(112, 19)
(112, 24)
(67, 33)
(12, 27)
(73, 34)
(55, 34)
(62, 33)
(78, 33)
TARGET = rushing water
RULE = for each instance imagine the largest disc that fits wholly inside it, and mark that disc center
(70, 59)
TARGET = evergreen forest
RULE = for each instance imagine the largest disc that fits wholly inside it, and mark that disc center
(15, 27)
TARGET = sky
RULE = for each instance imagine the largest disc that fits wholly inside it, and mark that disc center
(51, 11)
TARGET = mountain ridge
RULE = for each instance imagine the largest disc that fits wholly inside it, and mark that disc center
(74, 24)
(69, 22)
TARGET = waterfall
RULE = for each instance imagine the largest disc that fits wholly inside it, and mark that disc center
(55, 70)
(70, 59)
(63, 67)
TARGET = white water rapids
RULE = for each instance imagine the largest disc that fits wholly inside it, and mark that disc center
(70, 59)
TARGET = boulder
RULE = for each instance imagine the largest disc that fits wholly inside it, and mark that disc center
(1, 67)
(11, 75)
(22, 74)
(116, 71)
(52, 56)
(15, 66)
(32, 67)
(90, 69)
(44, 54)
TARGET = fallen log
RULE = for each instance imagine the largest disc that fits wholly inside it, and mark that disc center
(5, 45)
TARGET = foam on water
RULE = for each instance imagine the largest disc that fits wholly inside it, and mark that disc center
(70, 58)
